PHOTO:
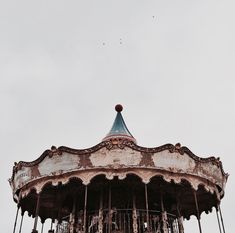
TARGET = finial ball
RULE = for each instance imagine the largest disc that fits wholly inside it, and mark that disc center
(118, 107)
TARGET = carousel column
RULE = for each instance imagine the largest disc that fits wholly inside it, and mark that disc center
(59, 201)
(221, 218)
(58, 218)
(85, 210)
(217, 215)
(16, 218)
(17, 212)
(146, 206)
(21, 222)
(180, 224)
(134, 215)
(100, 223)
(197, 209)
(109, 211)
(72, 215)
(36, 215)
(180, 219)
(164, 223)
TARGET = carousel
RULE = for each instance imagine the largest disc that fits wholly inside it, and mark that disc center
(117, 186)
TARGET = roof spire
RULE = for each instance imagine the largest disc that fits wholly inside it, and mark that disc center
(119, 128)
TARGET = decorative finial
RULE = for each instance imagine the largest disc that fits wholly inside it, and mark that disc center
(119, 130)
(53, 148)
(118, 107)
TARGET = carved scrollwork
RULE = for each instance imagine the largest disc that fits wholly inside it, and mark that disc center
(121, 144)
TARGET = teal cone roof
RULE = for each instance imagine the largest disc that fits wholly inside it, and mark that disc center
(119, 128)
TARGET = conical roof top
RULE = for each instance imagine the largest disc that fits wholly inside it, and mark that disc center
(119, 128)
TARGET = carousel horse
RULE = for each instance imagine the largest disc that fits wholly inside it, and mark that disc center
(156, 222)
(109, 218)
(94, 221)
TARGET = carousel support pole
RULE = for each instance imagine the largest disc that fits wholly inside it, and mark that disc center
(61, 198)
(162, 205)
(164, 228)
(221, 218)
(85, 210)
(16, 218)
(197, 209)
(217, 215)
(180, 224)
(100, 223)
(36, 215)
(146, 205)
(21, 222)
(134, 215)
(73, 220)
(180, 218)
(109, 211)
(58, 219)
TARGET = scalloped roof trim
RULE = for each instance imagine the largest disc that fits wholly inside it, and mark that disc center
(109, 145)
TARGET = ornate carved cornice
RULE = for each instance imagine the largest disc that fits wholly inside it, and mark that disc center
(120, 143)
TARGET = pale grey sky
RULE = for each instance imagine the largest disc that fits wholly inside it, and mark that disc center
(65, 64)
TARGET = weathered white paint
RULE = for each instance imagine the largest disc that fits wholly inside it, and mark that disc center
(126, 156)
(212, 172)
(173, 161)
(22, 177)
(58, 164)
(112, 162)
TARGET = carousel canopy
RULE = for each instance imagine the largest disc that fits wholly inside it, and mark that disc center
(169, 169)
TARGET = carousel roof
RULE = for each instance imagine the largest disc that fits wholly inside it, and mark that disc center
(119, 128)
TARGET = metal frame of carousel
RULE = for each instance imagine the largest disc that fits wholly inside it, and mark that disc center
(118, 186)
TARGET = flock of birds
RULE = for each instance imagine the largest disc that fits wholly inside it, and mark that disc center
(120, 40)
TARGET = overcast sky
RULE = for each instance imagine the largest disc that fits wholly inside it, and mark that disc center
(65, 64)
